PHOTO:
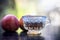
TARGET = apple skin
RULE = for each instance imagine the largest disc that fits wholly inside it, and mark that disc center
(21, 24)
(9, 23)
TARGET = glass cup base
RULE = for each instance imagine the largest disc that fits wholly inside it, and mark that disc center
(33, 33)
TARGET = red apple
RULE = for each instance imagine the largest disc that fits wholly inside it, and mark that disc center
(10, 23)
(21, 23)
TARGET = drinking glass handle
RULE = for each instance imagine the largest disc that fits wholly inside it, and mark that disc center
(48, 22)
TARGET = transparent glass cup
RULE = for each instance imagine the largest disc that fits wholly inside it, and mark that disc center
(34, 24)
